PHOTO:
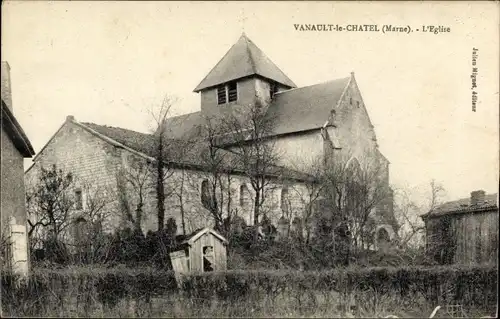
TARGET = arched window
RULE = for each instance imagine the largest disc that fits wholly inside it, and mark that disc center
(355, 190)
(206, 197)
(383, 235)
(354, 168)
(383, 239)
(246, 204)
(284, 200)
(78, 199)
(244, 196)
(80, 231)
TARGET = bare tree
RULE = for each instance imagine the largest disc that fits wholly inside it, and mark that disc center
(218, 165)
(310, 199)
(408, 212)
(134, 184)
(179, 192)
(89, 237)
(56, 206)
(50, 201)
(5, 246)
(249, 134)
(353, 191)
(163, 150)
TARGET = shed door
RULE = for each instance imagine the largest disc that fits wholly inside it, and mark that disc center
(180, 261)
(208, 253)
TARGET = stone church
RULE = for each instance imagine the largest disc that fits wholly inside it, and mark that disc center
(310, 125)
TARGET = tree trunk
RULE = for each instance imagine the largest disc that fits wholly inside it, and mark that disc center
(138, 216)
(160, 187)
(256, 210)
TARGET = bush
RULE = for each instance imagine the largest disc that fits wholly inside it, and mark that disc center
(81, 288)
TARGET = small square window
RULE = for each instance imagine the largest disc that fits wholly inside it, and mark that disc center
(357, 103)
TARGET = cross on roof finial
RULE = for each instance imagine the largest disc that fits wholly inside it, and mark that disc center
(243, 21)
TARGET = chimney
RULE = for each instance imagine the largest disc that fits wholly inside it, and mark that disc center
(6, 90)
(477, 198)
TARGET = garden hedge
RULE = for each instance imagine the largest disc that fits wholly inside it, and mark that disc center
(467, 285)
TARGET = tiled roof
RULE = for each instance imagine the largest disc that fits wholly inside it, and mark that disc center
(141, 142)
(189, 153)
(463, 206)
(243, 59)
(183, 126)
(176, 150)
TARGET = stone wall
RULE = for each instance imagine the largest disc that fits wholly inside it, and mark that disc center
(93, 163)
(12, 186)
(90, 159)
(299, 151)
(357, 139)
(13, 207)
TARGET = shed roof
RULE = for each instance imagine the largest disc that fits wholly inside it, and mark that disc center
(463, 206)
(194, 236)
(243, 59)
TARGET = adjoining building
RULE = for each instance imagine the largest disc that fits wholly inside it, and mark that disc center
(15, 148)
(464, 231)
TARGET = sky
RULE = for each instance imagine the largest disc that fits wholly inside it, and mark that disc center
(109, 62)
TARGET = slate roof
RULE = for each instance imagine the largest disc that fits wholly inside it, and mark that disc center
(305, 108)
(291, 111)
(463, 206)
(15, 132)
(243, 59)
(184, 126)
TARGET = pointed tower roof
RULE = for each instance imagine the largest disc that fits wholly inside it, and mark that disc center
(244, 58)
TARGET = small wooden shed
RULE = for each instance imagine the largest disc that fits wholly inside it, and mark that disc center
(201, 251)
(464, 231)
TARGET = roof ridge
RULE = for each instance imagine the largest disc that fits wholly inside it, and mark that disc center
(467, 198)
(311, 85)
(109, 126)
(181, 115)
(110, 139)
(250, 55)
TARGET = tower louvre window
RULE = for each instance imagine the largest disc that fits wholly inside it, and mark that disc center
(232, 89)
(227, 93)
(221, 94)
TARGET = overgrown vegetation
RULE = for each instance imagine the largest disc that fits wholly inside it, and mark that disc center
(150, 292)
